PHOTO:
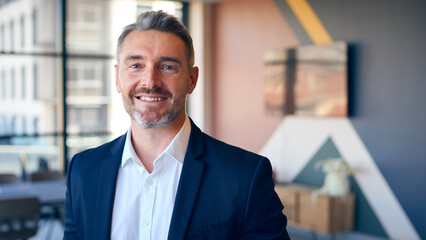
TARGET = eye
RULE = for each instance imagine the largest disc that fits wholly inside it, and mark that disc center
(135, 66)
(168, 67)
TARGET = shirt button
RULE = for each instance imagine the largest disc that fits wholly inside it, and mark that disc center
(146, 223)
(149, 181)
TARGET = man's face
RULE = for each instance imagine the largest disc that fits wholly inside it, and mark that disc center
(154, 78)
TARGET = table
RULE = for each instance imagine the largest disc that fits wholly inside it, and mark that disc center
(49, 192)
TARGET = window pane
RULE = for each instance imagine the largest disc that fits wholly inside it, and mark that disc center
(34, 28)
(31, 80)
(88, 78)
(89, 27)
(28, 112)
(28, 95)
(89, 95)
(93, 26)
(79, 143)
(95, 113)
(22, 155)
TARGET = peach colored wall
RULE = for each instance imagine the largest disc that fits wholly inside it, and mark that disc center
(243, 30)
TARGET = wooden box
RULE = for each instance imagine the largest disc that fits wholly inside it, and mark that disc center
(322, 213)
(289, 195)
(326, 214)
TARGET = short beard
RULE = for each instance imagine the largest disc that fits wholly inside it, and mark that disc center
(164, 121)
(161, 121)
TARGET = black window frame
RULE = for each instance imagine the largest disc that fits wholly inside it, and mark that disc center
(16, 48)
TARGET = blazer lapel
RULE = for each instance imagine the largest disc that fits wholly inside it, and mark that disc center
(189, 184)
(106, 190)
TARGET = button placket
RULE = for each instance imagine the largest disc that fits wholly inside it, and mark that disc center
(145, 206)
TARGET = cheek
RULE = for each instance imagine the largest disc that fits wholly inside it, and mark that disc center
(128, 82)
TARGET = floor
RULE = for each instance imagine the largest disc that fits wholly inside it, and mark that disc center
(49, 230)
(53, 230)
(299, 234)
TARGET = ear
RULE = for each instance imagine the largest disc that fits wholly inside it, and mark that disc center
(117, 80)
(193, 79)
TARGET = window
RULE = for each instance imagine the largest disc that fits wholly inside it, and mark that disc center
(12, 34)
(34, 26)
(35, 125)
(3, 84)
(13, 125)
(35, 81)
(2, 37)
(143, 8)
(24, 125)
(12, 83)
(85, 31)
(59, 92)
(2, 125)
(87, 119)
(22, 31)
(86, 78)
(23, 83)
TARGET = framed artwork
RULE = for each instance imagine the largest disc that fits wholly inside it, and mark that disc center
(308, 80)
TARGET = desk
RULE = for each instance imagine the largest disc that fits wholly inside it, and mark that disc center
(49, 192)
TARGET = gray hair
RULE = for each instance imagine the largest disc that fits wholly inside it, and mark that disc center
(163, 22)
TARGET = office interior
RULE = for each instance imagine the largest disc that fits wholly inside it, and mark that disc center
(58, 96)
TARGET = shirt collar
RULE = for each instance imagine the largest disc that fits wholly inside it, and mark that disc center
(176, 149)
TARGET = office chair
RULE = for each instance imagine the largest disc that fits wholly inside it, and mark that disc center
(8, 178)
(48, 213)
(45, 176)
(19, 217)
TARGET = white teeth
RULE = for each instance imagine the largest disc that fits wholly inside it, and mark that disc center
(149, 99)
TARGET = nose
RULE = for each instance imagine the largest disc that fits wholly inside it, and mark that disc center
(151, 78)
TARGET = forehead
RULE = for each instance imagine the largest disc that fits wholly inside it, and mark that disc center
(152, 44)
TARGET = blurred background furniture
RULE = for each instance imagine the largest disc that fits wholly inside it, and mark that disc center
(51, 194)
(50, 212)
(317, 213)
(45, 176)
(8, 178)
(19, 217)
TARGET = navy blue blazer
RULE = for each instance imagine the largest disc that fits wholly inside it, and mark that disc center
(224, 192)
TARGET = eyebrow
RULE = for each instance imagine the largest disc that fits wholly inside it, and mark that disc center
(162, 59)
(133, 57)
(171, 59)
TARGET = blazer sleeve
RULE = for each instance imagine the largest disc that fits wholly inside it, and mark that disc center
(70, 232)
(263, 217)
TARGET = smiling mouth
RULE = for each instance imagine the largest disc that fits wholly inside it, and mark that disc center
(151, 99)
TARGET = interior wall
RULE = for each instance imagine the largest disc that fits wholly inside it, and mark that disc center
(243, 30)
(387, 87)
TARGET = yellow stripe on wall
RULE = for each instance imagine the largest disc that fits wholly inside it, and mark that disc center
(310, 21)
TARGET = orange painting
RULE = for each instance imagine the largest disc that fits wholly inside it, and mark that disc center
(308, 80)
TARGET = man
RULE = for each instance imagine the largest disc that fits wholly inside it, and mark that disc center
(165, 179)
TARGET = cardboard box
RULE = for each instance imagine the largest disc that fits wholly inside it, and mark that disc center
(322, 213)
(326, 214)
(289, 195)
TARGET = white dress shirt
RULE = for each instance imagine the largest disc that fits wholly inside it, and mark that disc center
(143, 204)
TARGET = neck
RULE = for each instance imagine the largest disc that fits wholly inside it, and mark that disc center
(149, 143)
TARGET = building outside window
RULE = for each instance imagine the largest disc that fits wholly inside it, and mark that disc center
(2, 39)
(12, 83)
(55, 103)
(23, 83)
(22, 31)
(12, 34)
(3, 84)
(34, 26)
